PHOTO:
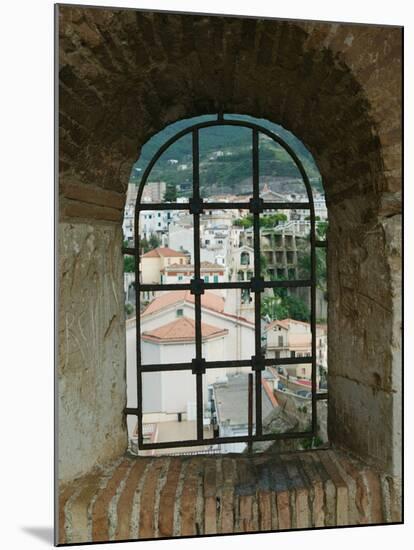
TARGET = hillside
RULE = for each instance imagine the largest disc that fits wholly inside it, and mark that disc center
(225, 158)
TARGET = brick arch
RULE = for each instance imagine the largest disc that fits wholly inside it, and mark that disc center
(125, 75)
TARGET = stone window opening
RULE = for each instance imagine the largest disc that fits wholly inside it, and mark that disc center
(194, 414)
(354, 136)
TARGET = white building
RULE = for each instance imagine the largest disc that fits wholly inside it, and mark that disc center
(153, 262)
(292, 338)
(181, 235)
(154, 191)
(320, 207)
(170, 305)
(214, 238)
(129, 291)
(150, 221)
(242, 263)
(165, 394)
(129, 211)
(179, 273)
(230, 398)
(168, 336)
(155, 222)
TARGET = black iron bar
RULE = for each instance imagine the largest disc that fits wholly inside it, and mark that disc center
(214, 205)
(197, 297)
(322, 396)
(294, 283)
(236, 284)
(257, 275)
(156, 367)
(128, 251)
(138, 329)
(144, 207)
(250, 414)
(219, 440)
(187, 286)
(313, 317)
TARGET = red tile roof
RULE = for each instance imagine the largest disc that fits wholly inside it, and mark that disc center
(284, 323)
(209, 300)
(181, 330)
(162, 252)
(278, 323)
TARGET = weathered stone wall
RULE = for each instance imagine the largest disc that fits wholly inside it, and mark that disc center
(124, 75)
(91, 368)
(149, 498)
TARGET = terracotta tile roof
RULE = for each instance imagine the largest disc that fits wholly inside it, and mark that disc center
(181, 330)
(162, 252)
(209, 300)
(278, 323)
(284, 323)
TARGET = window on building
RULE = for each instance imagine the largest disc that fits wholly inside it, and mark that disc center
(244, 258)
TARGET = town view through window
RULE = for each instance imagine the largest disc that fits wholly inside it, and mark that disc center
(167, 318)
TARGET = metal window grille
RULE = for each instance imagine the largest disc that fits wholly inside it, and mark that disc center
(197, 286)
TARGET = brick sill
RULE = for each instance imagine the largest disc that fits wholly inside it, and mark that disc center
(144, 498)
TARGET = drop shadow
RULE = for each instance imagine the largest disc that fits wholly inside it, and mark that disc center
(43, 533)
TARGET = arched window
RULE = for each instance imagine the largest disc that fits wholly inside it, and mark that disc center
(245, 258)
(204, 352)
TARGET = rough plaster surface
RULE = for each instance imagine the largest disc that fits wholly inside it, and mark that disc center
(125, 75)
(91, 368)
(364, 340)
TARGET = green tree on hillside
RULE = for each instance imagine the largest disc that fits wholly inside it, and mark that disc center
(267, 221)
(170, 194)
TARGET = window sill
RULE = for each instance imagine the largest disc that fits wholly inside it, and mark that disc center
(206, 495)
